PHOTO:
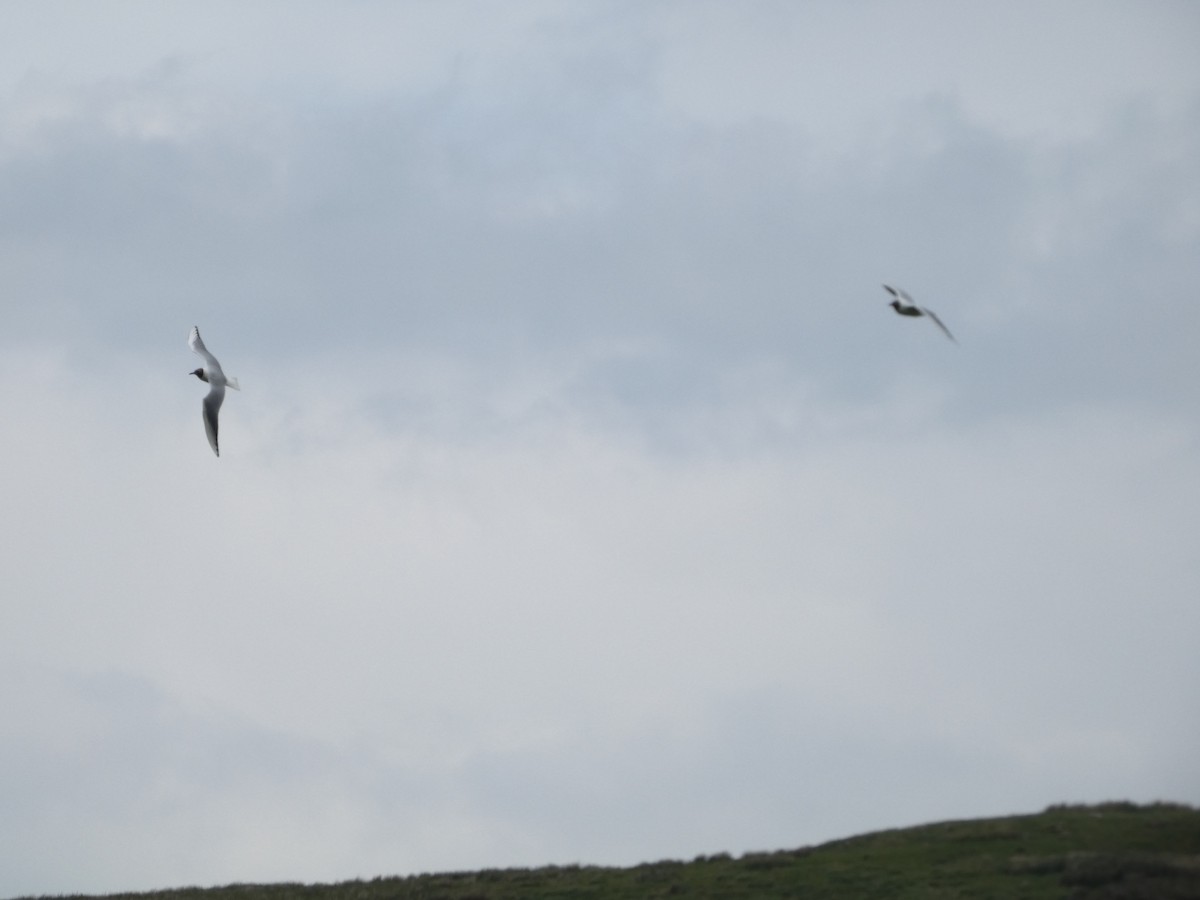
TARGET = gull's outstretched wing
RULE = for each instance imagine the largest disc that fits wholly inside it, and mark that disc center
(200, 350)
(212, 406)
(939, 323)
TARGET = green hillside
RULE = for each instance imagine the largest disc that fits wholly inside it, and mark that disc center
(1115, 850)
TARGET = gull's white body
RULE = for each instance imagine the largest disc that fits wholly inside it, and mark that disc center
(903, 304)
(217, 381)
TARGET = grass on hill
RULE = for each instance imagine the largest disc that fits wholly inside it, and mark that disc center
(1113, 851)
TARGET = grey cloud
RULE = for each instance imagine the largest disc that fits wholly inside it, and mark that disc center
(718, 243)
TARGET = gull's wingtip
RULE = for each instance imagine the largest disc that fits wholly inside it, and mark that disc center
(940, 324)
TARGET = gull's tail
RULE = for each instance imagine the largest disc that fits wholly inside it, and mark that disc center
(233, 383)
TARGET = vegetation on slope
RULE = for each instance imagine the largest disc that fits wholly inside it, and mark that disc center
(1114, 851)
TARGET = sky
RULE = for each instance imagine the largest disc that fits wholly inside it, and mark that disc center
(584, 501)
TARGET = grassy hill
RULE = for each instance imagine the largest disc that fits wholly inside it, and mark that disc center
(1114, 850)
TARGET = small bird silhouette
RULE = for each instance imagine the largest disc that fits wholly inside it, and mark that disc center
(903, 304)
(212, 374)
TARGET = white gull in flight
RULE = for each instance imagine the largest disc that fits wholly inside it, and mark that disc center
(211, 373)
(903, 304)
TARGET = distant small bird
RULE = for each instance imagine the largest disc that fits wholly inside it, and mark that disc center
(211, 373)
(903, 304)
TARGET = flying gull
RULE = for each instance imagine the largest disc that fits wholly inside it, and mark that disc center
(212, 374)
(903, 304)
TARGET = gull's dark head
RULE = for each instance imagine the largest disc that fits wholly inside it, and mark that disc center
(199, 373)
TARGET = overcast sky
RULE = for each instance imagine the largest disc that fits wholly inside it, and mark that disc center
(584, 501)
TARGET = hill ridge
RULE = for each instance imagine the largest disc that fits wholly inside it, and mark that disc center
(1086, 852)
